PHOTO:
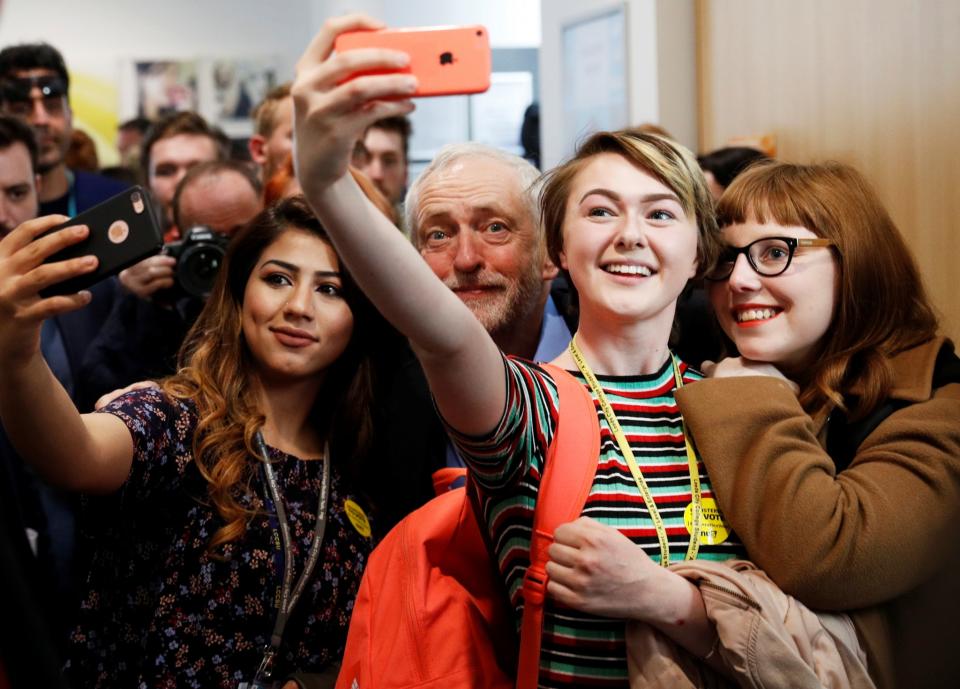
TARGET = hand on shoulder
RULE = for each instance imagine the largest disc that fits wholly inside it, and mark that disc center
(114, 394)
(738, 366)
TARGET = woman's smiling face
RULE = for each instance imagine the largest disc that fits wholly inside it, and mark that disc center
(628, 245)
(778, 320)
(295, 319)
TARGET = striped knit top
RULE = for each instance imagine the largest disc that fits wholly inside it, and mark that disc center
(579, 649)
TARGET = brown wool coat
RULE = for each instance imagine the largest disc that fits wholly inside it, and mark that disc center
(879, 541)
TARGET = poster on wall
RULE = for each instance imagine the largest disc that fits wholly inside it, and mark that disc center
(166, 86)
(237, 87)
(595, 63)
(224, 90)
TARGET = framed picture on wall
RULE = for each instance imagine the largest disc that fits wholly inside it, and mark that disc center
(224, 90)
(237, 86)
(165, 86)
(594, 75)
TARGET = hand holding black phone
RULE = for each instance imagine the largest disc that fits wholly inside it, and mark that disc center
(123, 231)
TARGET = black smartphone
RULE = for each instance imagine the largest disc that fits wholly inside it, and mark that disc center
(123, 231)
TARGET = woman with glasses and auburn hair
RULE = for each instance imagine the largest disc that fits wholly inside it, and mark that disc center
(833, 439)
(233, 485)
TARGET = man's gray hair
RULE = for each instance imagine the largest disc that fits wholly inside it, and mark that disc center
(528, 176)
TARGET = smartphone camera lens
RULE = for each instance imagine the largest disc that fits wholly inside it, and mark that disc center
(137, 199)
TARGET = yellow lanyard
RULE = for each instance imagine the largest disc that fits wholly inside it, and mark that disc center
(618, 433)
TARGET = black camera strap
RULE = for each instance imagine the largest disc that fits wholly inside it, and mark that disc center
(289, 593)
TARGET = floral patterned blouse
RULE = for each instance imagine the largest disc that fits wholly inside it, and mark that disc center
(161, 611)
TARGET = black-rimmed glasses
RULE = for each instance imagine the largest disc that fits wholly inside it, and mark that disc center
(768, 256)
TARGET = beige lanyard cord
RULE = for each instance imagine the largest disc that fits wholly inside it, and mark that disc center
(694, 547)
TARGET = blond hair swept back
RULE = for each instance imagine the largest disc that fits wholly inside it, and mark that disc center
(664, 159)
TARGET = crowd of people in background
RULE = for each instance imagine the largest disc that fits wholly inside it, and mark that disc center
(755, 336)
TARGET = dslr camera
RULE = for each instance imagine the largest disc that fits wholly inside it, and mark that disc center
(199, 256)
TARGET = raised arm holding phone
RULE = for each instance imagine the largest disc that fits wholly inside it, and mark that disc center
(79, 453)
(476, 389)
(331, 112)
(232, 484)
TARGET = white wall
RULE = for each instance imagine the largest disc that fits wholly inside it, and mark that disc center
(105, 31)
(103, 37)
(100, 41)
(322, 9)
(661, 58)
(510, 23)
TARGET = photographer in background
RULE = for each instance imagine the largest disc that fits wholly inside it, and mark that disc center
(173, 145)
(142, 335)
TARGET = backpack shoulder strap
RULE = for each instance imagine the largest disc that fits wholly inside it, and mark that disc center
(572, 456)
(568, 473)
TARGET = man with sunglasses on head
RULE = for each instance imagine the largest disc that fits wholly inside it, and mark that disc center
(34, 87)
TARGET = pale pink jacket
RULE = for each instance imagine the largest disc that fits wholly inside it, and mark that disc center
(766, 639)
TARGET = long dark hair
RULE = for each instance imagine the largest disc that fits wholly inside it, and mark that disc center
(215, 364)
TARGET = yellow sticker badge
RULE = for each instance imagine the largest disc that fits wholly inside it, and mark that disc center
(713, 528)
(357, 517)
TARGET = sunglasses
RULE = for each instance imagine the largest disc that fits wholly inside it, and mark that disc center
(16, 94)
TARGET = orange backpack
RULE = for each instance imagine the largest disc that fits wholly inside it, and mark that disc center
(431, 611)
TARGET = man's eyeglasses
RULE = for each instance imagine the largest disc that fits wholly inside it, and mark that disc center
(768, 256)
(17, 96)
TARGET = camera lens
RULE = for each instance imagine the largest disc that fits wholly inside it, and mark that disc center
(199, 257)
(197, 268)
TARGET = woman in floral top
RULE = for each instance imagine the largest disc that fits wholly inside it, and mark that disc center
(190, 570)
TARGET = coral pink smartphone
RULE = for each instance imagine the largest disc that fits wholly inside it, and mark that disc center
(446, 60)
